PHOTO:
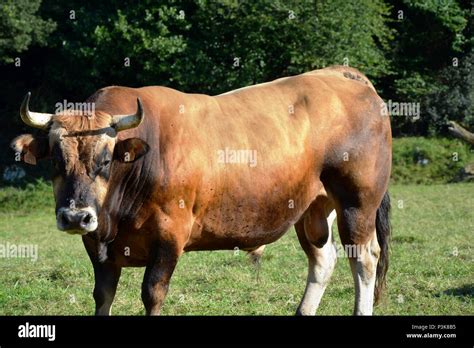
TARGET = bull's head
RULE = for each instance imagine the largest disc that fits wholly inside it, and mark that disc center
(82, 147)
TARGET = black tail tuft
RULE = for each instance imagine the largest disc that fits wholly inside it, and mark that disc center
(383, 228)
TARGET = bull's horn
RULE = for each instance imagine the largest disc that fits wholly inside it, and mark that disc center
(122, 122)
(33, 119)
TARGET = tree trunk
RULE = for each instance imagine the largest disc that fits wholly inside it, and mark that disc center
(461, 132)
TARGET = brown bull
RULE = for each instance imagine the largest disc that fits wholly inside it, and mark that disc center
(154, 172)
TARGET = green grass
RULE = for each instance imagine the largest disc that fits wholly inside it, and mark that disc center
(431, 269)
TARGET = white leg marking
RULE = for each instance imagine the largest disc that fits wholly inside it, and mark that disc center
(364, 272)
(319, 272)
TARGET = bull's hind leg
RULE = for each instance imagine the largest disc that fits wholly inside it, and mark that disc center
(315, 236)
(363, 267)
(357, 231)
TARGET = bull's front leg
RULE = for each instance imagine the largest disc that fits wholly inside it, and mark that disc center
(107, 276)
(157, 277)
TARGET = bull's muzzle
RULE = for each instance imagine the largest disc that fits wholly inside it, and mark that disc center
(77, 221)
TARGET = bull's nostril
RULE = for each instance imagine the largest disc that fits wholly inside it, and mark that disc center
(87, 218)
(64, 220)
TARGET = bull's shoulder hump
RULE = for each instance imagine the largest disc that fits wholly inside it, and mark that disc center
(343, 72)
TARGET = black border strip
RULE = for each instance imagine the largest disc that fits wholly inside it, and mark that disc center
(224, 331)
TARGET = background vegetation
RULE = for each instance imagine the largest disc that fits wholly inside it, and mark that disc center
(418, 160)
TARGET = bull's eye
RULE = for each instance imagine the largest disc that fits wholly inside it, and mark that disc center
(102, 167)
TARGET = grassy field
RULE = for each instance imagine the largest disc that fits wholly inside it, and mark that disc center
(431, 272)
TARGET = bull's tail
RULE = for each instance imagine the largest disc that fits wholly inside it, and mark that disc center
(383, 228)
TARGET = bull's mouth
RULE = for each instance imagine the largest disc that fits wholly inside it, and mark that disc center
(78, 232)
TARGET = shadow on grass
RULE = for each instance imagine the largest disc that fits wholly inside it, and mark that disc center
(466, 291)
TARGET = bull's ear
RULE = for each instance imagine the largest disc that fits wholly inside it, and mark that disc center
(129, 150)
(29, 148)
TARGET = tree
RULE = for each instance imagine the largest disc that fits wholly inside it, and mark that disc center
(113, 42)
(233, 44)
(453, 98)
(215, 46)
(430, 34)
(460, 132)
(21, 27)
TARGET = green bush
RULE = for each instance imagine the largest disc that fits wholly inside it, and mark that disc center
(419, 160)
(33, 197)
